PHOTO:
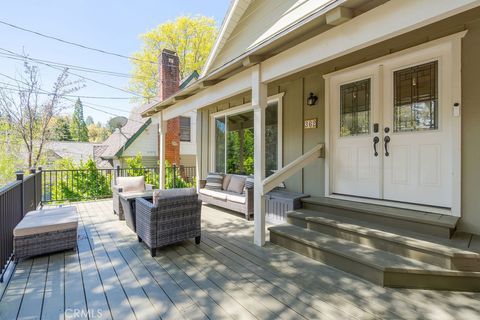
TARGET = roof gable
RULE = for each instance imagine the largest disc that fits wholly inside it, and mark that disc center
(251, 23)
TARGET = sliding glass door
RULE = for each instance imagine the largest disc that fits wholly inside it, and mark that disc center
(234, 140)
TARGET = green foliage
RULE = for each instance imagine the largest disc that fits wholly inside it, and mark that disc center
(78, 127)
(190, 37)
(61, 129)
(84, 181)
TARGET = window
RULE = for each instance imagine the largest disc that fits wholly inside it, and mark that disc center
(185, 129)
(233, 140)
(416, 98)
(355, 108)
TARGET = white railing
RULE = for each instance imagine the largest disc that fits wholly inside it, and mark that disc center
(293, 167)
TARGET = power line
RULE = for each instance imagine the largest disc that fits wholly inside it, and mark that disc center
(73, 43)
(14, 56)
(77, 75)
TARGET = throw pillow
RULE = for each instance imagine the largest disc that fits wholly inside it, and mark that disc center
(130, 184)
(249, 182)
(236, 184)
(214, 181)
(226, 181)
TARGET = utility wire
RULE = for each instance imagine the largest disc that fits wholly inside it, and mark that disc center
(73, 43)
(78, 75)
(15, 56)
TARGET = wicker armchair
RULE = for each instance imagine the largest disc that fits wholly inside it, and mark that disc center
(175, 217)
(126, 184)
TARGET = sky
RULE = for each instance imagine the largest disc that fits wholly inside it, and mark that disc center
(104, 24)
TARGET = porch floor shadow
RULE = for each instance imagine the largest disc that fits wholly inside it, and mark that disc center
(113, 276)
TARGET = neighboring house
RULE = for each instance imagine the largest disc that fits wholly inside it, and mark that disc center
(140, 135)
(75, 151)
(396, 121)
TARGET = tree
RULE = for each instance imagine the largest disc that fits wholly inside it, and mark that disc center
(61, 129)
(190, 37)
(78, 127)
(89, 120)
(29, 109)
(97, 133)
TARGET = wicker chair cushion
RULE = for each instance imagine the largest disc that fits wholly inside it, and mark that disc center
(42, 223)
(171, 193)
(236, 184)
(214, 181)
(217, 194)
(235, 197)
(130, 184)
(53, 211)
(226, 181)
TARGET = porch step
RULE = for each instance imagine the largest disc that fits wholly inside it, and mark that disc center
(378, 266)
(431, 250)
(406, 219)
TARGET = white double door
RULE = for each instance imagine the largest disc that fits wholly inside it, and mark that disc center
(391, 130)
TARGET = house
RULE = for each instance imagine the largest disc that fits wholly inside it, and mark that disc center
(73, 150)
(371, 107)
(139, 133)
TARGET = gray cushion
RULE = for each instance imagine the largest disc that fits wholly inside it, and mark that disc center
(129, 184)
(236, 184)
(249, 182)
(214, 180)
(171, 193)
(226, 181)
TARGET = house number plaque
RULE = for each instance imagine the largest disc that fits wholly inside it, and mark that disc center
(310, 123)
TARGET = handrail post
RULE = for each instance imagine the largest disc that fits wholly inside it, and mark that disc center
(19, 175)
(174, 169)
(40, 181)
(33, 171)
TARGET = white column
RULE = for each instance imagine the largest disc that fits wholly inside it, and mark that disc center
(259, 103)
(199, 147)
(162, 130)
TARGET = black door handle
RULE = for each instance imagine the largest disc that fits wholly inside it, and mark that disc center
(386, 140)
(375, 141)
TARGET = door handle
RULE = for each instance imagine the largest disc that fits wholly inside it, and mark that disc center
(386, 140)
(375, 141)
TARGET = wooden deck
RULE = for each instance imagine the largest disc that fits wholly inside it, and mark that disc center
(112, 276)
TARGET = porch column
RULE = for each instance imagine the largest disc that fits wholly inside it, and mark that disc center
(259, 103)
(199, 147)
(162, 131)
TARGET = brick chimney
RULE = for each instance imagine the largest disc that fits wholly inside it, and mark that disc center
(168, 84)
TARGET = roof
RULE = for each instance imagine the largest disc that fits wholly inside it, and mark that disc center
(72, 149)
(300, 20)
(186, 81)
(119, 139)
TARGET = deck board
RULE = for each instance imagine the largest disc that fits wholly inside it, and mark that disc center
(225, 277)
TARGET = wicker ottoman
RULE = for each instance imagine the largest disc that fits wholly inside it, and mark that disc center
(45, 231)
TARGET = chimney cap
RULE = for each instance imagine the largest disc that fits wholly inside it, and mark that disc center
(167, 51)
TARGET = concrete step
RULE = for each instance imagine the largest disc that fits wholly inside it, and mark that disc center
(412, 220)
(430, 250)
(378, 266)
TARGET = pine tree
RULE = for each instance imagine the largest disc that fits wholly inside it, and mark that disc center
(78, 127)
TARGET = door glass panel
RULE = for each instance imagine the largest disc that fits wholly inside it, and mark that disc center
(355, 108)
(271, 139)
(240, 143)
(220, 144)
(416, 98)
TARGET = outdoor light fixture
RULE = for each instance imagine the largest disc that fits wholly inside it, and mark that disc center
(312, 99)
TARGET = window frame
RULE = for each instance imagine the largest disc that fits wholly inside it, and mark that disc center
(189, 129)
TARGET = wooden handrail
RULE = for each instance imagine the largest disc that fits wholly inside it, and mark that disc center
(293, 167)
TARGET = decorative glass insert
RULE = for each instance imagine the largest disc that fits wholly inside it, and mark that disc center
(416, 98)
(355, 108)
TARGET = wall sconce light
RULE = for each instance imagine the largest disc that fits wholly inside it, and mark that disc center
(312, 99)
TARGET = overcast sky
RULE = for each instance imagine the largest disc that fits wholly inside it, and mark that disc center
(103, 24)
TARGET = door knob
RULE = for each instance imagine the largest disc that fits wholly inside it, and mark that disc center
(375, 141)
(386, 140)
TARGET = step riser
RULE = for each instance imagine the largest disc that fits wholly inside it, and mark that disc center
(377, 243)
(387, 221)
(431, 282)
(354, 267)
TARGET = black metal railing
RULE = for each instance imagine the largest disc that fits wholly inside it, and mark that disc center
(85, 184)
(16, 199)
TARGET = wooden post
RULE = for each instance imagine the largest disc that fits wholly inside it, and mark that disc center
(22, 202)
(162, 130)
(259, 103)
